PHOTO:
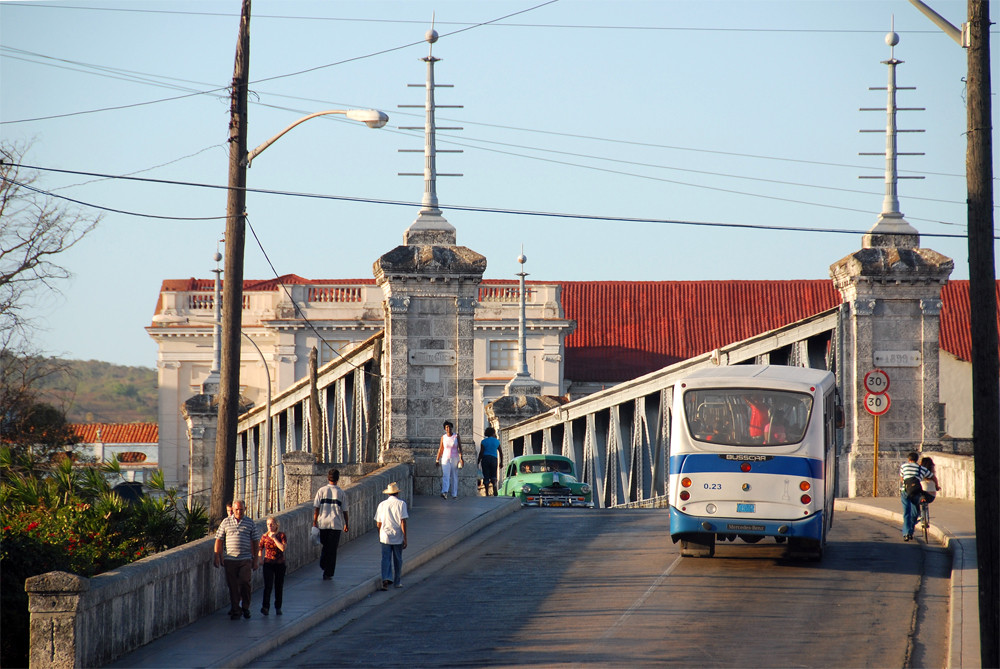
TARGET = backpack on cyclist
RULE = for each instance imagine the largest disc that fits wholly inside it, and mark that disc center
(911, 485)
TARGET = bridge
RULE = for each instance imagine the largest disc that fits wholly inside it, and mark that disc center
(488, 583)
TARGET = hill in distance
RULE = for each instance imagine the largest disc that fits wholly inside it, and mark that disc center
(94, 391)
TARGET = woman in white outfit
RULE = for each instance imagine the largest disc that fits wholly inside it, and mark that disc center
(450, 459)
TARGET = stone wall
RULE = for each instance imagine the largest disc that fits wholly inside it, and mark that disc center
(81, 622)
(955, 474)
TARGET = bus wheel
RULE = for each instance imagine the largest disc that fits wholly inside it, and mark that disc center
(698, 546)
(751, 538)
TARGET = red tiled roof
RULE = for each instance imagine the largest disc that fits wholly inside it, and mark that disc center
(956, 337)
(629, 328)
(117, 433)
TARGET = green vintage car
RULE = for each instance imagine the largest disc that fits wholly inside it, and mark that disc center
(545, 480)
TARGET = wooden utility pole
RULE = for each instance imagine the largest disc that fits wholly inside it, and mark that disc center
(223, 474)
(983, 303)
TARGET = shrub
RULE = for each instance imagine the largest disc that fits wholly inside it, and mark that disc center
(69, 519)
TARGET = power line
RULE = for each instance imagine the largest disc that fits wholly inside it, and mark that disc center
(468, 208)
(101, 207)
(573, 26)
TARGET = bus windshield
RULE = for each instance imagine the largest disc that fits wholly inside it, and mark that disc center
(747, 416)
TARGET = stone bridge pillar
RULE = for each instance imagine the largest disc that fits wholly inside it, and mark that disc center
(891, 291)
(431, 289)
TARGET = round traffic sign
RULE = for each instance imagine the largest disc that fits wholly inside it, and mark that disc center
(877, 403)
(876, 381)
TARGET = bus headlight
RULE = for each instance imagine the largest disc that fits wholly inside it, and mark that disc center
(585, 489)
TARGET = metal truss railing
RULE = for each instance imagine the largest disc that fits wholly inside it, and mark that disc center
(338, 418)
(619, 438)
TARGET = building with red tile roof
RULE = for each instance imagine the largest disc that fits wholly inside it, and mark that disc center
(136, 445)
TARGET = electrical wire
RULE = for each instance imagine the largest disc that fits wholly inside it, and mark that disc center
(846, 31)
(298, 309)
(474, 209)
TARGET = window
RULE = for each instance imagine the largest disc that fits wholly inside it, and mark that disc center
(747, 416)
(503, 354)
(330, 350)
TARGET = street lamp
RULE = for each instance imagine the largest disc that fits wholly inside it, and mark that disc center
(229, 377)
(370, 117)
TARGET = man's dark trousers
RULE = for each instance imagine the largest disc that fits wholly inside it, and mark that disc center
(328, 558)
(238, 574)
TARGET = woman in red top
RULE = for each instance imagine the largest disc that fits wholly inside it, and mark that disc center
(272, 550)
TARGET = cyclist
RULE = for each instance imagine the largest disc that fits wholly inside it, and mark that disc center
(910, 475)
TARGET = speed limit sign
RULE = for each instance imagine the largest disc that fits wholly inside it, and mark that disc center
(876, 381)
(877, 403)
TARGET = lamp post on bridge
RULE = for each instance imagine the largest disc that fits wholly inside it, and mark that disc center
(223, 483)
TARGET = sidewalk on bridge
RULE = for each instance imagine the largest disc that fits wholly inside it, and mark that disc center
(953, 525)
(435, 525)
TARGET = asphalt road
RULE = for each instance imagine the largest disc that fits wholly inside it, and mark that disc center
(574, 587)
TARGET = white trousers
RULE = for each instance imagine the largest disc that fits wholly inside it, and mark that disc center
(449, 478)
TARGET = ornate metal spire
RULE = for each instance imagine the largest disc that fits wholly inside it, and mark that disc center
(430, 227)
(892, 229)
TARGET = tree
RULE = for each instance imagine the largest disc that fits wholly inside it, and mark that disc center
(28, 423)
(34, 229)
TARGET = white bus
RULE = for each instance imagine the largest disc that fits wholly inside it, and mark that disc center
(753, 455)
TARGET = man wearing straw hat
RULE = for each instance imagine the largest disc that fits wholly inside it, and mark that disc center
(390, 518)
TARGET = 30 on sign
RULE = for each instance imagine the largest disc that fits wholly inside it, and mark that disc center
(877, 403)
(876, 381)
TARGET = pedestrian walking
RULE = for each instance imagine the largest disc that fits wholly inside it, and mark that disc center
(390, 519)
(330, 516)
(449, 457)
(236, 547)
(272, 553)
(910, 475)
(487, 459)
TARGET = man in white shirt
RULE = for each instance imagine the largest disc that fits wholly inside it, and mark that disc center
(330, 516)
(390, 518)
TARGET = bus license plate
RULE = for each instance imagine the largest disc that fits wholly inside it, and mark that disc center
(745, 508)
(555, 503)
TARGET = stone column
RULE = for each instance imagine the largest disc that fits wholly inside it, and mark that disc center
(201, 414)
(53, 601)
(893, 295)
(431, 291)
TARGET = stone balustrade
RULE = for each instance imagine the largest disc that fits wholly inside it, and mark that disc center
(87, 622)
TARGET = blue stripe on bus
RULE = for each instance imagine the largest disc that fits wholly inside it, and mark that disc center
(696, 463)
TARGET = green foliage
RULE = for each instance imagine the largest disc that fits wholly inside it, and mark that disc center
(67, 518)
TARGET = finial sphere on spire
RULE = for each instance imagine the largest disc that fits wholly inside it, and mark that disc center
(522, 259)
(892, 39)
(217, 257)
(431, 36)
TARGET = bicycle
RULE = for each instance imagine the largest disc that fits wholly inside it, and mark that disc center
(925, 517)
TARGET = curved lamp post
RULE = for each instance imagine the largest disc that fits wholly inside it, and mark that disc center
(225, 451)
(370, 117)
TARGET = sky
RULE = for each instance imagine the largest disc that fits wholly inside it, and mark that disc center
(678, 113)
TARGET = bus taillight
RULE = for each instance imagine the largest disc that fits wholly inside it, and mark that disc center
(685, 495)
(805, 485)
(686, 482)
(806, 499)
(745, 467)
